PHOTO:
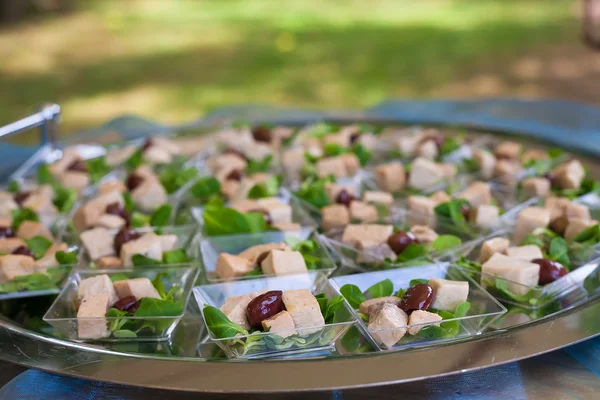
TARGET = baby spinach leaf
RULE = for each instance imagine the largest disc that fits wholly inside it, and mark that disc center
(381, 289)
(139, 220)
(470, 165)
(333, 149)
(65, 198)
(362, 154)
(220, 325)
(269, 188)
(135, 160)
(13, 187)
(173, 177)
(206, 187)
(151, 307)
(176, 256)
(140, 260)
(400, 293)
(259, 166)
(158, 284)
(65, 258)
(431, 332)
(555, 152)
(591, 234)
(313, 191)
(532, 239)
(414, 282)
(228, 221)
(30, 283)
(452, 209)
(23, 214)
(329, 307)
(161, 216)
(352, 294)
(451, 327)
(38, 245)
(558, 251)
(446, 242)
(412, 252)
(462, 309)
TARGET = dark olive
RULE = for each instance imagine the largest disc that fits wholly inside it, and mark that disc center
(118, 210)
(559, 225)
(345, 198)
(265, 214)
(400, 240)
(235, 175)
(133, 181)
(262, 134)
(78, 165)
(549, 270)
(417, 297)
(21, 197)
(354, 137)
(465, 210)
(235, 152)
(261, 257)
(264, 306)
(124, 235)
(128, 303)
(147, 144)
(6, 232)
(24, 251)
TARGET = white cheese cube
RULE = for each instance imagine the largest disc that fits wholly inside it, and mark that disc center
(440, 197)
(491, 246)
(530, 219)
(109, 262)
(280, 262)
(557, 206)
(292, 161)
(91, 321)
(388, 325)
(281, 213)
(448, 294)
(157, 155)
(332, 166)
(534, 155)
(508, 149)
(521, 276)
(576, 210)
(8, 245)
(110, 221)
(137, 287)
(98, 242)
(525, 253)
(235, 309)
(419, 319)
(569, 175)
(281, 324)
(115, 185)
(304, 309)
(428, 149)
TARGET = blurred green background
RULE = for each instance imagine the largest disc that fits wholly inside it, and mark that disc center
(173, 60)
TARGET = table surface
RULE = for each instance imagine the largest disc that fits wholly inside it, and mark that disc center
(571, 373)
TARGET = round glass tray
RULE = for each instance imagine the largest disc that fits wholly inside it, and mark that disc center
(184, 362)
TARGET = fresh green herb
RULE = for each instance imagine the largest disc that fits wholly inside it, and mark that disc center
(128, 202)
(465, 263)
(501, 286)
(591, 234)
(118, 277)
(362, 154)
(452, 209)
(139, 220)
(321, 130)
(555, 152)
(259, 166)
(227, 221)
(44, 176)
(151, 307)
(450, 145)
(412, 252)
(352, 294)
(161, 216)
(313, 191)
(329, 307)
(558, 251)
(65, 258)
(333, 149)
(417, 281)
(97, 168)
(446, 242)
(31, 283)
(269, 188)
(13, 187)
(220, 325)
(158, 284)
(173, 177)
(470, 165)
(206, 187)
(117, 319)
(381, 289)
(23, 214)
(400, 293)
(140, 260)
(462, 309)
(38, 245)
(176, 256)
(135, 160)
(255, 272)
(65, 198)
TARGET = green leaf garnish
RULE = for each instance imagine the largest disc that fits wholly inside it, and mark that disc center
(161, 216)
(38, 245)
(220, 325)
(352, 294)
(381, 289)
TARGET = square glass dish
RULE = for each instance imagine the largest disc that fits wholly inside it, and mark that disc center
(264, 344)
(158, 326)
(316, 256)
(582, 262)
(483, 310)
(186, 244)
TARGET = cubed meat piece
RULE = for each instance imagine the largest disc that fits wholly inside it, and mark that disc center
(6, 221)
(279, 262)
(484, 216)
(228, 160)
(110, 221)
(363, 212)
(98, 242)
(157, 155)
(368, 141)
(525, 253)
(477, 194)
(530, 219)
(229, 188)
(534, 187)
(508, 171)
(521, 276)
(281, 213)
(425, 174)
(114, 185)
(383, 198)
(91, 320)
(168, 242)
(374, 253)
(99, 284)
(109, 262)
(534, 155)
(13, 265)
(421, 211)
(304, 309)
(260, 177)
(69, 155)
(569, 175)
(491, 246)
(137, 287)
(30, 229)
(252, 253)
(576, 210)
(75, 180)
(449, 170)
(335, 166)
(440, 197)
(341, 139)
(428, 149)
(88, 215)
(7, 205)
(557, 206)
(41, 204)
(419, 319)
(148, 245)
(334, 216)
(235, 309)
(388, 325)
(49, 258)
(166, 143)
(351, 162)
(149, 195)
(407, 145)
(372, 233)
(245, 205)
(286, 226)
(486, 162)
(448, 294)
(118, 156)
(145, 171)
(424, 234)
(390, 177)
(257, 151)
(577, 226)
(334, 189)
(366, 307)
(8, 245)
(244, 187)
(292, 161)
(509, 149)
(231, 266)
(281, 324)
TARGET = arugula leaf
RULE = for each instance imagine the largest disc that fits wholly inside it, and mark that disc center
(558, 251)
(381, 289)
(161, 216)
(220, 325)
(38, 245)
(176, 256)
(65, 258)
(140, 260)
(352, 294)
(362, 154)
(206, 187)
(259, 166)
(313, 191)
(135, 160)
(446, 242)
(412, 252)
(451, 327)
(129, 205)
(228, 221)
(269, 188)
(44, 176)
(414, 282)
(462, 309)
(65, 198)
(97, 168)
(13, 187)
(151, 307)
(23, 214)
